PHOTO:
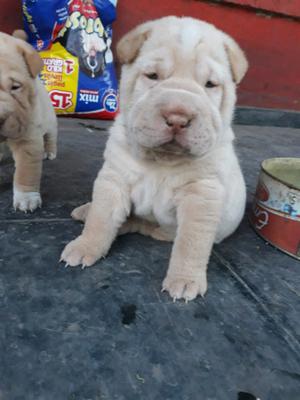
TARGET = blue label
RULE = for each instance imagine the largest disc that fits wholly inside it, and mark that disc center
(110, 102)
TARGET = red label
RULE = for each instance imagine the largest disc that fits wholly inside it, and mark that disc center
(277, 228)
(85, 8)
(61, 100)
(262, 192)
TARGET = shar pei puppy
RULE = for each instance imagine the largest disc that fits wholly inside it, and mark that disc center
(27, 119)
(170, 168)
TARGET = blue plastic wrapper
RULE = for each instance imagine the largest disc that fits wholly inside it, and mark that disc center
(74, 40)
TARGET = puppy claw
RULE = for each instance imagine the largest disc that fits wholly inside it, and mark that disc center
(49, 156)
(187, 288)
(81, 252)
(26, 201)
(67, 265)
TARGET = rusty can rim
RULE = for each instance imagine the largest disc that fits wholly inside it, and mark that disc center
(268, 160)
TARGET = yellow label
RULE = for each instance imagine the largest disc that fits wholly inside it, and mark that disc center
(60, 76)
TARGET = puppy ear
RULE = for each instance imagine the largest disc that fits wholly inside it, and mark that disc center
(20, 34)
(237, 59)
(31, 56)
(129, 46)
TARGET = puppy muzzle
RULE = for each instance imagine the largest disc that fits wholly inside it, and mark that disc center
(179, 117)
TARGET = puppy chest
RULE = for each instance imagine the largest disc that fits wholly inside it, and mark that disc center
(153, 200)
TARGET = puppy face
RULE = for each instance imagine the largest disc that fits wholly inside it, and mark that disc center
(19, 65)
(178, 85)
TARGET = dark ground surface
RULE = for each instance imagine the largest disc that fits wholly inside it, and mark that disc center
(108, 332)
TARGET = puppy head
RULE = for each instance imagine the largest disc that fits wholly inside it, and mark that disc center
(19, 66)
(178, 84)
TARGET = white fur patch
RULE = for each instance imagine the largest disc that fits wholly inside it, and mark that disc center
(26, 201)
(49, 156)
(190, 36)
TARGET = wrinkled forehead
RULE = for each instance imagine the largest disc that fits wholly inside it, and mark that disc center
(12, 70)
(12, 63)
(189, 48)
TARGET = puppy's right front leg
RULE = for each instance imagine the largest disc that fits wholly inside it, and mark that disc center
(109, 209)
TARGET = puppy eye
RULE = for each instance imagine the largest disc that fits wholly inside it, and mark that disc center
(15, 86)
(153, 76)
(210, 84)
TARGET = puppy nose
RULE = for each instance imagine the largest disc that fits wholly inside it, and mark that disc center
(177, 121)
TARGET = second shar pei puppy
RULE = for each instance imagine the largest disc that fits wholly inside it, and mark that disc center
(170, 169)
(27, 119)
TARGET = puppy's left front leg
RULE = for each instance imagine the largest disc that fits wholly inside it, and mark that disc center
(198, 216)
(28, 156)
(109, 209)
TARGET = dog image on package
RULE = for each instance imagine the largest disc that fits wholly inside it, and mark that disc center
(170, 168)
(27, 119)
(74, 39)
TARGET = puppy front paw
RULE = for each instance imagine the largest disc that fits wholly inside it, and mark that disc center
(186, 288)
(26, 201)
(49, 155)
(80, 252)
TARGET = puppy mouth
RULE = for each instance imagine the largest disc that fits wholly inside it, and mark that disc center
(172, 147)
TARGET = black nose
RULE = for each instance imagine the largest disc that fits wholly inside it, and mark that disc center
(93, 61)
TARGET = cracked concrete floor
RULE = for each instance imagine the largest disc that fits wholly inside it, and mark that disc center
(107, 332)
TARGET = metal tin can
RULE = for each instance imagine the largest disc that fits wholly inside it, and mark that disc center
(275, 213)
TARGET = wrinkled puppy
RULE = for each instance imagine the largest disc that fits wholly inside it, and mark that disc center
(27, 119)
(170, 169)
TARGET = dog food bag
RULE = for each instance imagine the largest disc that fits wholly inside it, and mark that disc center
(74, 40)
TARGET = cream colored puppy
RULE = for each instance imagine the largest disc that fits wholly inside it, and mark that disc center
(27, 119)
(170, 169)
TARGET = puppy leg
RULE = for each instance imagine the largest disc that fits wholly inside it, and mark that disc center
(28, 156)
(50, 145)
(138, 225)
(198, 216)
(80, 213)
(109, 209)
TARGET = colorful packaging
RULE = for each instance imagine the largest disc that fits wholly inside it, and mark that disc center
(74, 40)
